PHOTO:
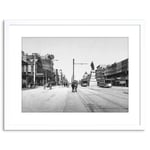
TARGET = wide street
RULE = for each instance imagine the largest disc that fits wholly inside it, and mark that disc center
(86, 99)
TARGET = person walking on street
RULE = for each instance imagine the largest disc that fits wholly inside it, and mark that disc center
(50, 85)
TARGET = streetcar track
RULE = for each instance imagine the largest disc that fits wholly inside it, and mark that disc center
(91, 103)
(99, 107)
(84, 102)
(109, 93)
(109, 100)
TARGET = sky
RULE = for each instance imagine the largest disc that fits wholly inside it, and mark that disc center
(100, 50)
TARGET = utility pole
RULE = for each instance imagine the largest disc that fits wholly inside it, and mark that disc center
(73, 70)
(34, 70)
(73, 76)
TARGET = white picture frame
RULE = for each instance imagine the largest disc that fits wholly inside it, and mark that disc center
(14, 119)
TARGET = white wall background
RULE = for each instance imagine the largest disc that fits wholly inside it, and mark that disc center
(79, 9)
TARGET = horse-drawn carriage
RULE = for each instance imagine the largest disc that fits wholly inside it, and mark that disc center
(74, 85)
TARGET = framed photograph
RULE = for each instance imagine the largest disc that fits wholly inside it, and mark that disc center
(72, 75)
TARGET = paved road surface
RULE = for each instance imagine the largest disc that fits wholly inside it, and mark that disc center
(87, 99)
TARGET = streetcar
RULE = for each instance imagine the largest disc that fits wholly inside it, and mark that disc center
(84, 83)
(107, 83)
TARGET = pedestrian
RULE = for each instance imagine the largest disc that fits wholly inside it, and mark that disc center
(74, 86)
(50, 85)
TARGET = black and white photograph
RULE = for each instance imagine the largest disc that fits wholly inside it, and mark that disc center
(75, 74)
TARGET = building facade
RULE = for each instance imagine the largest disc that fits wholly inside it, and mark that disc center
(116, 72)
(36, 69)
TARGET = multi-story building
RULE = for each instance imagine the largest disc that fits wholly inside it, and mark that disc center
(24, 70)
(36, 70)
(47, 68)
(117, 72)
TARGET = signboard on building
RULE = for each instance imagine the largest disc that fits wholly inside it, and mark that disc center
(47, 65)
